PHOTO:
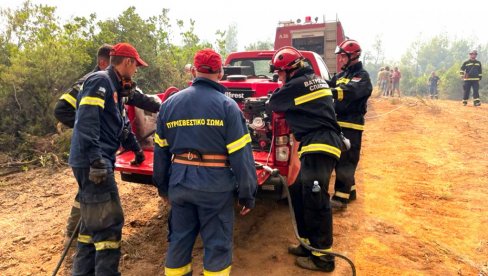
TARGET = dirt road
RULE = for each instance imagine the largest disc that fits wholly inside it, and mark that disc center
(421, 210)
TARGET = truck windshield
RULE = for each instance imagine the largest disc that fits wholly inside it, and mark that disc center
(314, 44)
(253, 67)
(259, 68)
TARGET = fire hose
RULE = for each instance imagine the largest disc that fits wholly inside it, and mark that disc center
(275, 172)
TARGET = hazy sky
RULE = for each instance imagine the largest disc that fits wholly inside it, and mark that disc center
(398, 23)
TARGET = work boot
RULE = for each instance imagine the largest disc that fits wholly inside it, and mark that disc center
(324, 263)
(298, 250)
(337, 205)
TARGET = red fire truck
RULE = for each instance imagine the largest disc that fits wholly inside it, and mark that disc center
(321, 38)
(249, 83)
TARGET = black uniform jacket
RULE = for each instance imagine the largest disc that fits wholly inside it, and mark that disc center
(471, 70)
(65, 109)
(307, 103)
(351, 89)
(100, 121)
(201, 118)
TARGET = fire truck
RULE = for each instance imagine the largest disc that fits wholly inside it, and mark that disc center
(249, 83)
(318, 37)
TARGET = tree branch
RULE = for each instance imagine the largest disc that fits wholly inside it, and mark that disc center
(16, 100)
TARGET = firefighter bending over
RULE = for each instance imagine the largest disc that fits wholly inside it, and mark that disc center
(351, 89)
(97, 135)
(306, 101)
(206, 133)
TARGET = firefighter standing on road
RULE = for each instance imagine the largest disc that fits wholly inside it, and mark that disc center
(65, 112)
(206, 133)
(306, 101)
(97, 135)
(351, 89)
(433, 84)
(471, 73)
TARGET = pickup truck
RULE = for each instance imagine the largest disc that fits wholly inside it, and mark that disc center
(249, 83)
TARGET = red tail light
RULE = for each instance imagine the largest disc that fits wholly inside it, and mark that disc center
(279, 125)
(281, 133)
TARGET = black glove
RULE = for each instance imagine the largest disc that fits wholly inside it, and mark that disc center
(98, 171)
(138, 158)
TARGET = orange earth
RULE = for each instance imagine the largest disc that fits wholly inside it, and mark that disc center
(422, 206)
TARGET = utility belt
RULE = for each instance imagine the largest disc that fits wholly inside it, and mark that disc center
(203, 160)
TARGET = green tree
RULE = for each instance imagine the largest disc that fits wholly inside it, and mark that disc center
(374, 59)
(40, 58)
(227, 40)
(40, 64)
(260, 45)
(231, 39)
(444, 56)
(220, 43)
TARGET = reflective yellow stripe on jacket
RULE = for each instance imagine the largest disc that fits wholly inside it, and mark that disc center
(70, 99)
(312, 96)
(160, 142)
(93, 101)
(239, 143)
(340, 94)
(320, 147)
(342, 80)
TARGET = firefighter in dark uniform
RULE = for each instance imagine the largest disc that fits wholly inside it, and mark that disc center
(307, 103)
(471, 73)
(206, 134)
(65, 109)
(351, 89)
(100, 128)
(65, 112)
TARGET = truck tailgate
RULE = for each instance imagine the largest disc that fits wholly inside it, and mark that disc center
(122, 163)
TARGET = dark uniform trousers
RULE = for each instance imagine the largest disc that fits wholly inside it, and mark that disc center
(74, 217)
(102, 219)
(345, 184)
(467, 89)
(312, 209)
(211, 214)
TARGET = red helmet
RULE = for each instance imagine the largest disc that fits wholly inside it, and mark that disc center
(349, 47)
(286, 59)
